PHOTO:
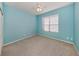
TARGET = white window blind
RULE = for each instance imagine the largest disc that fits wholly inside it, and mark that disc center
(51, 23)
(46, 23)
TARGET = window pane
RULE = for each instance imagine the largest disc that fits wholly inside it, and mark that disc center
(50, 23)
(46, 27)
(46, 20)
(54, 28)
(54, 19)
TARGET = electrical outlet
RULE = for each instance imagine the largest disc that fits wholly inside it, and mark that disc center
(69, 38)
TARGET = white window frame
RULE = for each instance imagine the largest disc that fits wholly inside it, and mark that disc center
(54, 24)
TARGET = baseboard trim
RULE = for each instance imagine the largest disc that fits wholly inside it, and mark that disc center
(19, 39)
(46, 37)
(76, 49)
(57, 39)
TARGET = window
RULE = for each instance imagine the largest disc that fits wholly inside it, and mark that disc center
(50, 23)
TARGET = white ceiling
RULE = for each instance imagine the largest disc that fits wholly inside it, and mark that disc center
(31, 6)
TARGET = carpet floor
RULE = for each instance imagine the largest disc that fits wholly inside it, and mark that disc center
(39, 46)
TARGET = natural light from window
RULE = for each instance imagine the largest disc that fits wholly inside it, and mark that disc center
(51, 23)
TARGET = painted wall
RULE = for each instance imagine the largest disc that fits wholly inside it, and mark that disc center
(65, 24)
(17, 24)
(1, 29)
(76, 39)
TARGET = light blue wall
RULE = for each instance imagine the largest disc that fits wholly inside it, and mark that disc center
(76, 25)
(65, 23)
(17, 24)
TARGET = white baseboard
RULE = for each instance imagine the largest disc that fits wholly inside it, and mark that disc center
(44, 36)
(76, 49)
(58, 39)
(19, 39)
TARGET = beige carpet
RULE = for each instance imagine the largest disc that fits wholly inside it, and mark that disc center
(39, 46)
